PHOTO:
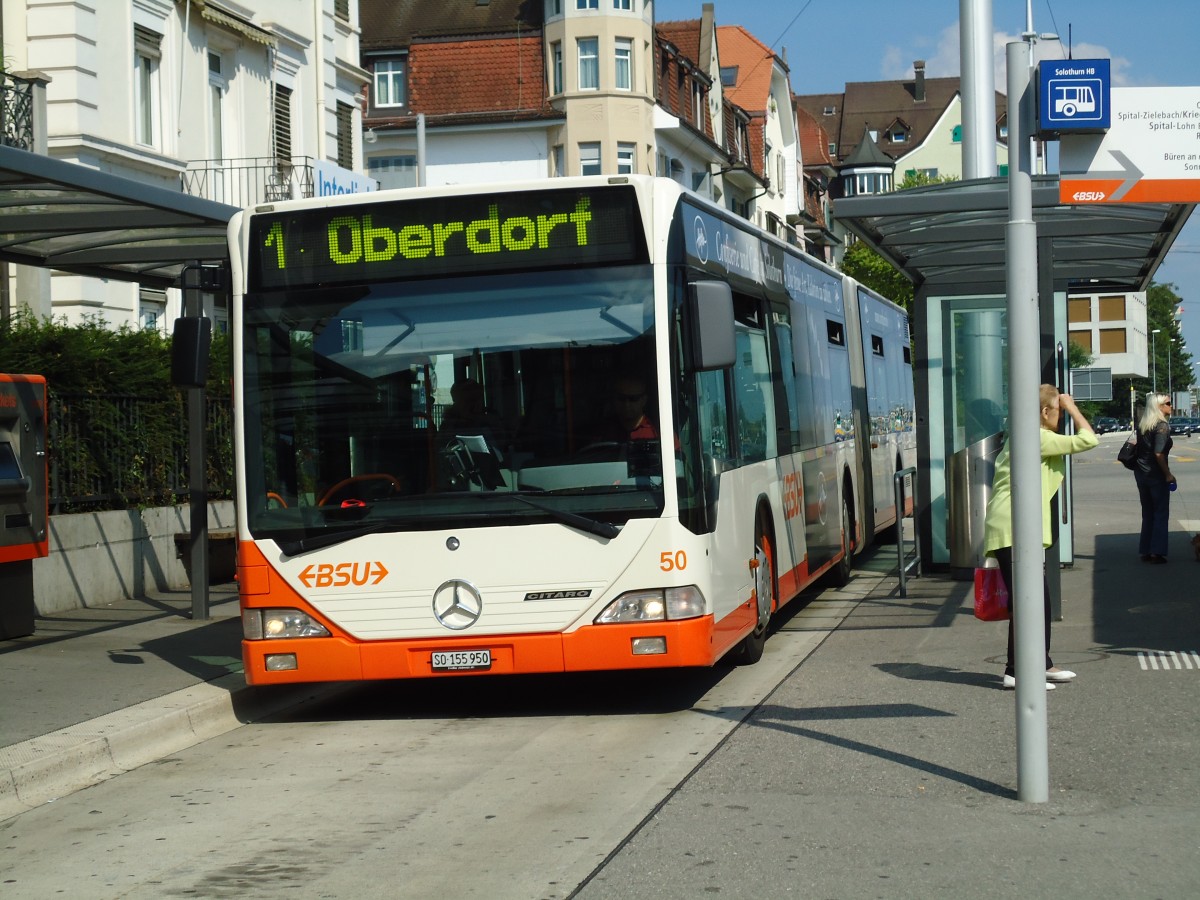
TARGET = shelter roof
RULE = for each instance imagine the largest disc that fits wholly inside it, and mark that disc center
(64, 216)
(950, 238)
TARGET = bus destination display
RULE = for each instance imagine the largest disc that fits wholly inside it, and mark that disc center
(386, 240)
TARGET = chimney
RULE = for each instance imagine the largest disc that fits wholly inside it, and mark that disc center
(919, 86)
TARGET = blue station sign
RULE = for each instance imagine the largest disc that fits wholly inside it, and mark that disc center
(1074, 96)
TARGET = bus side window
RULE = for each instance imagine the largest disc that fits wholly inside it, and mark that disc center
(711, 406)
(789, 431)
(755, 400)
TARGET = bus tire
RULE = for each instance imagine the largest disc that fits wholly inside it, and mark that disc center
(750, 650)
(840, 574)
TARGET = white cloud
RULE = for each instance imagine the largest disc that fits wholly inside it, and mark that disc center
(942, 58)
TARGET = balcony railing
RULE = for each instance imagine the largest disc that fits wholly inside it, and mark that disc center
(16, 112)
(245, 182)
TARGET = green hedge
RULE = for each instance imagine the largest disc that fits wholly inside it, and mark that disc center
(118, 426)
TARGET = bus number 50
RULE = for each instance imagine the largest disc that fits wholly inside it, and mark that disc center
(669, 560)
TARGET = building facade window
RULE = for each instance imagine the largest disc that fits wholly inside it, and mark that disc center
(624, 64)
(626, 5)
(217, 88)
(391, 83)
(589, 64)
(626, 159)
(1113, 340)
(587, 4)
(556, 67)
(1112, 309)
(393, 171)
(1079, 309)
(147, 55)
(589, 159)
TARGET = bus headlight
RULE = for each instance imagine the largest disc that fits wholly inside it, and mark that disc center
(262, 624)
(654, 606)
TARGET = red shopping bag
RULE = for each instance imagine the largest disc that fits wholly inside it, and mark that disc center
(991, 597)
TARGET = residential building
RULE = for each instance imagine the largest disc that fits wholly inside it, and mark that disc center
(509, 90)
(1111, 327)
(235, 102)
(868, 138)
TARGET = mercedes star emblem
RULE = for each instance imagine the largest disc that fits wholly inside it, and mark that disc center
(457, 604)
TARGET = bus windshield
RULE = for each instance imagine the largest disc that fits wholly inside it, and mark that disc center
(449, 402)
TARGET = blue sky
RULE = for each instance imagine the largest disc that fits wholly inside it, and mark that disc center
(830, 42)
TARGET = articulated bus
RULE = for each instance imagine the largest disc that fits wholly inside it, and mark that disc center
(665, 424)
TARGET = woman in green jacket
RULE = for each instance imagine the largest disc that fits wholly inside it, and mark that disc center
(997, 526)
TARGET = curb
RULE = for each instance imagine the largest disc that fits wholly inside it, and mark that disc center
(46, 768)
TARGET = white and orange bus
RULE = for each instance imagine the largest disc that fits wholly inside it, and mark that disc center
(666, 424)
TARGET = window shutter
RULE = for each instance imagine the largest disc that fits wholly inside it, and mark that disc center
(282, 130)
(345, 138)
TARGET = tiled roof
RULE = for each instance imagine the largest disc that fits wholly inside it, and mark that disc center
(814, 140)
(392, 24)
(685, 35)
(755, 65)
(876, 105)
(480, 79)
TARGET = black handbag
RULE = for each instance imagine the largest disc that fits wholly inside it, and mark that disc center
(1127, 455)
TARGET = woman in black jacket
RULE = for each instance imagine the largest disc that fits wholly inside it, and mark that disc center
(1154, 479)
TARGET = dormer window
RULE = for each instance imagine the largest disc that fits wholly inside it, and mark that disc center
(829, 111)
(898, 136)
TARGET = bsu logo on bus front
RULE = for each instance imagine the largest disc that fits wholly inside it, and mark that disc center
(326, 575)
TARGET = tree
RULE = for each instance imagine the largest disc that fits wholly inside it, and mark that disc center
(867, 267)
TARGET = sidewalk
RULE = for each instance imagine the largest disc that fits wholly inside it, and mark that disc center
(909, 686)
(96, 692)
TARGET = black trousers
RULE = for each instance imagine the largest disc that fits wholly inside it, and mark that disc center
(1004, 557)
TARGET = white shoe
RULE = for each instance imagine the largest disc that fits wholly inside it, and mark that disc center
(1059, 676)
(1010, 683)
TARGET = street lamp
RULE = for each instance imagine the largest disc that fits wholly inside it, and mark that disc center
(1172, 341)
(1154, 361)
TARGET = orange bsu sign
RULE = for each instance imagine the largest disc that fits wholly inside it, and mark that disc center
(1151, 154)
(330, 575)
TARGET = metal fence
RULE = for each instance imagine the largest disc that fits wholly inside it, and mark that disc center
(111, 451)
(247, 181)
(16, 112)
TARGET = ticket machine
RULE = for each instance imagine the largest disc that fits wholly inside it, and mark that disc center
(24, 498)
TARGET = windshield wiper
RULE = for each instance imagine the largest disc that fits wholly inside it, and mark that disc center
(583, 523)
(328, 539)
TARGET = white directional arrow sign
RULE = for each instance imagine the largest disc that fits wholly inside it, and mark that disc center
(1151, 154)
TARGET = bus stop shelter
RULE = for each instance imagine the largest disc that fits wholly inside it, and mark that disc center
(64, 216)
(949, 240)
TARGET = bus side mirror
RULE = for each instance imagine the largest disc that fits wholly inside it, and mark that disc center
(190, 343)
(710, 313)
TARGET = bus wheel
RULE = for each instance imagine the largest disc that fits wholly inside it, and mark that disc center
(840, 575)
(750, 650)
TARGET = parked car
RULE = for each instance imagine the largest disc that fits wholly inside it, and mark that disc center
(1107, 425)
(1184, 425)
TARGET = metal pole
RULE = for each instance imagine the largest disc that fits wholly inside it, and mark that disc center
(1154, 361)
(978, 89)
(420, 149)
(1169, 394)
(193, 305)
(1024, 342)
